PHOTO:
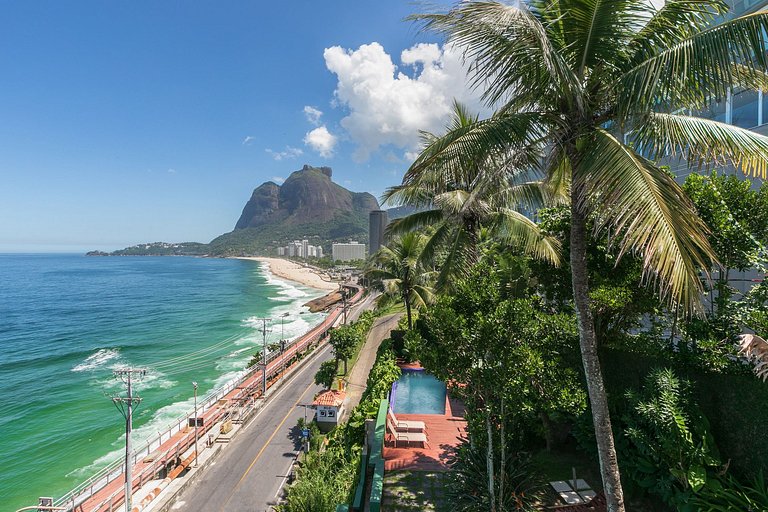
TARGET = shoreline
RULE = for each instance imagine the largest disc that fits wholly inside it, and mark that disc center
(292, 271)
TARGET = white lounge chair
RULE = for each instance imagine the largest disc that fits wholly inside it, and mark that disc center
(408, 437)
(406, 426)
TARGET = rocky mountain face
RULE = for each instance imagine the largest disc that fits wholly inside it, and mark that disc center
(308, 196)
(307, 205)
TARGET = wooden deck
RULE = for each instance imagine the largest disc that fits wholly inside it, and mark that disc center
(444, 432)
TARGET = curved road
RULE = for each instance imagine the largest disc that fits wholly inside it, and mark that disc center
(251, 471)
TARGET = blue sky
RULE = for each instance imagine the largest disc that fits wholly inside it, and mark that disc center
(127, 122)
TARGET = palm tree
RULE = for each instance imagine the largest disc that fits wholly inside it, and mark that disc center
(398, 270)
(483, 191)
(586, 77)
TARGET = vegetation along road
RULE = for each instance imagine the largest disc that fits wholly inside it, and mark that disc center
(251, 471)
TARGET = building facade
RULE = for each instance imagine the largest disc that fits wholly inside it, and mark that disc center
(377, 225)
(348, 252)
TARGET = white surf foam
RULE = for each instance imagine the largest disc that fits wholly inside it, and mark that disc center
(97, 359)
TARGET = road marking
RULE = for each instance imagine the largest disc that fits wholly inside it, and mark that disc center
(287, 474)
(261, 451)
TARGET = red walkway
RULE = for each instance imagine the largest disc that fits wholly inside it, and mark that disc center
(443, 433)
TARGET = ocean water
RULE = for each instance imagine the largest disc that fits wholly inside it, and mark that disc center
(67, 321)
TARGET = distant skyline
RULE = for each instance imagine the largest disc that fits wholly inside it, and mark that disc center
(146, 121)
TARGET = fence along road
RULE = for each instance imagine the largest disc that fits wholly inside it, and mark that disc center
(104, 492)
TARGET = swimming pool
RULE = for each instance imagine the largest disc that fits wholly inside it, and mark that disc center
(417, 392)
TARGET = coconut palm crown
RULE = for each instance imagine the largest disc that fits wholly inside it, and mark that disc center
(584, 78)
(397, 270)
(485, 191)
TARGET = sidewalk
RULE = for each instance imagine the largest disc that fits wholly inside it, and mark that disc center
(358, 377)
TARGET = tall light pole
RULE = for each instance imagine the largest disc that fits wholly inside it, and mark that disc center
(125, 405)
(264, 332)
(194, 386)
(282, 341)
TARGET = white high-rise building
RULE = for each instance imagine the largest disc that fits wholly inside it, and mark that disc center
(348, 252)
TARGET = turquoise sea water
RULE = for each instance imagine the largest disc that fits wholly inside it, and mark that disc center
(66, 321)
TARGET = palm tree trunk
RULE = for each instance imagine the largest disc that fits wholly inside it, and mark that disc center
(606, 449)
(407, 301)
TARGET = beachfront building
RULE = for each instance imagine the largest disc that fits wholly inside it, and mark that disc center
(300, 249)
(351, 251)
(377, 225)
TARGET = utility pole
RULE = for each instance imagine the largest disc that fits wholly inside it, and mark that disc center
(125, 406)
(194, 386)
(264, 332)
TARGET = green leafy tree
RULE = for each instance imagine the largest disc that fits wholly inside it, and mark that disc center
(508, 354)
(326, 374)
(579, 76)
(737, 216)
(671, 452)
(399, 270)
(344, 340)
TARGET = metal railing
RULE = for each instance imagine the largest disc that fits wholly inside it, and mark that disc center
(90, 487)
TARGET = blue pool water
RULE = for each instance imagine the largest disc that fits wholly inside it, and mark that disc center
(417, 392)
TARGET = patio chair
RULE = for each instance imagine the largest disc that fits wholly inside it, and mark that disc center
(408, 437)
(406, 426)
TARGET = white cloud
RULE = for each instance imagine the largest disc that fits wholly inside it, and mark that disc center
(277, 179)
(313, 115)
(289, 152)
(248, 140)
(386, 106)
(172, 171)
(321, 140)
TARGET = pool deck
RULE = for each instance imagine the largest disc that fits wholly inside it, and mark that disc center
(444, 432)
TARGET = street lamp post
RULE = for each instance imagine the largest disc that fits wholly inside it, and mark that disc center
(194, 386)
(282, 341)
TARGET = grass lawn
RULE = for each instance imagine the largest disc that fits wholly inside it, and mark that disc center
(406, 491)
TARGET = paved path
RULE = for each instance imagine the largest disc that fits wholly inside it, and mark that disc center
(358, 377)
(251, 470)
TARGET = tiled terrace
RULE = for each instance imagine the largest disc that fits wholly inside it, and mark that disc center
(444, 432)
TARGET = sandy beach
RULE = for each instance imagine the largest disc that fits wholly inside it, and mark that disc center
(295, 272)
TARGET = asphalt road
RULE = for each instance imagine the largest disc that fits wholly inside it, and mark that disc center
(249, 474)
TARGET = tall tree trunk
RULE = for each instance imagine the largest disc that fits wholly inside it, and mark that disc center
(606, 449)
(549, 436)
(503, 456)
(407, 301)
(489, 458)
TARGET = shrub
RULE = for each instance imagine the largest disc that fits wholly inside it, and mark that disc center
(670, 451)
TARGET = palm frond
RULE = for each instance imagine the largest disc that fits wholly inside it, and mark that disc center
(521, 232)
(696, 70)
(672, 23)
(755, 349)
(407, 195)
(506, 45)
(650, 215)
(593, 29)
(450, 157)
(704, 141)
(455, 263)
(413, 222)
